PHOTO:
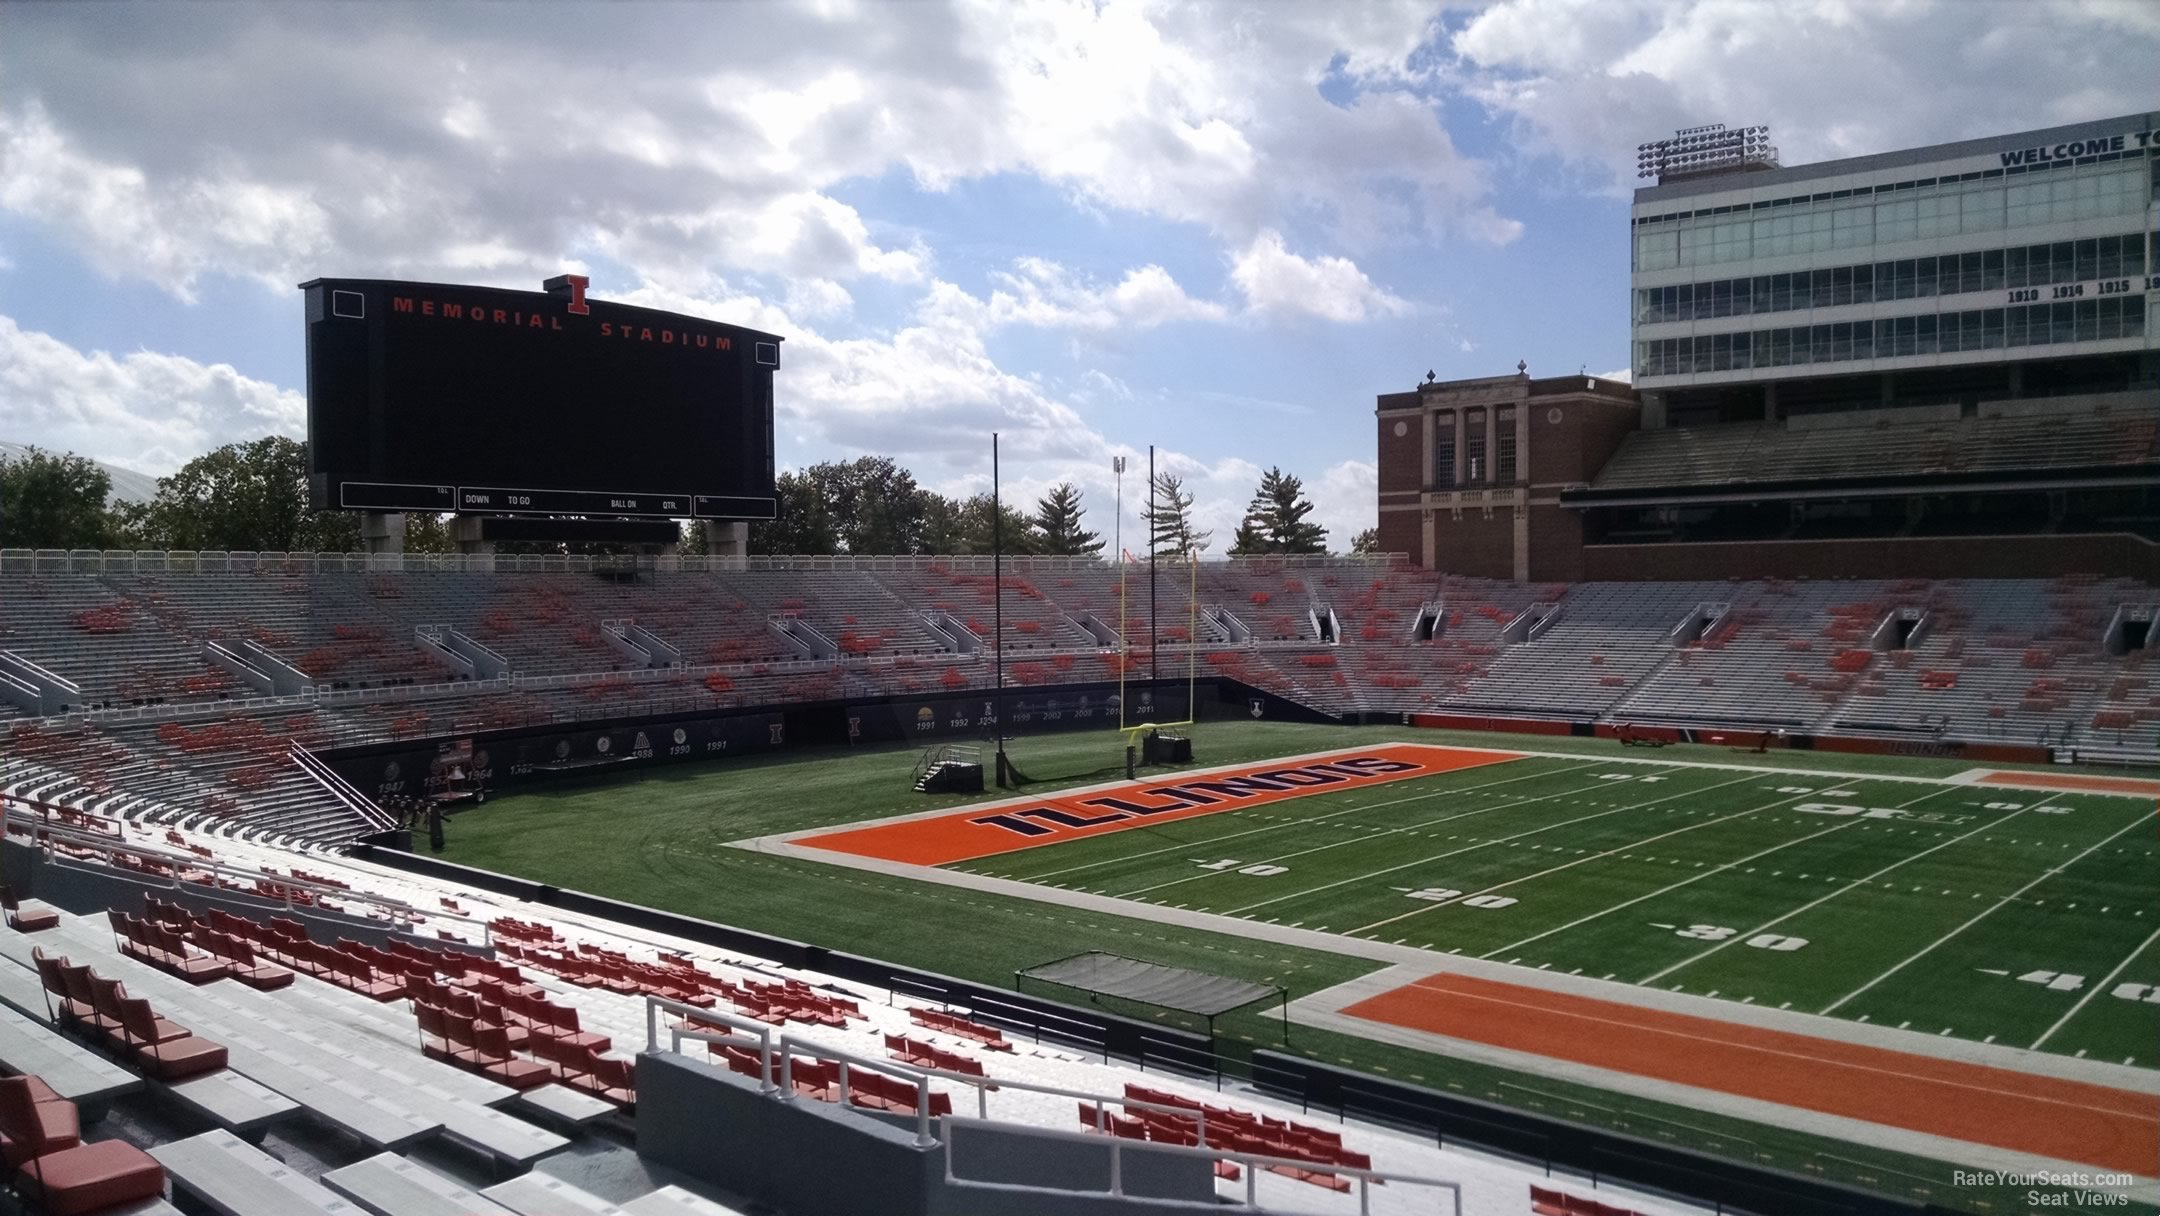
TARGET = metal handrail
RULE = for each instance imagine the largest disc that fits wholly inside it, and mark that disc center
(176, 561)
(785, 1045)
(1253, 1163)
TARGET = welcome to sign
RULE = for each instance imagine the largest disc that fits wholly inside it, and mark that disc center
(2072, 149)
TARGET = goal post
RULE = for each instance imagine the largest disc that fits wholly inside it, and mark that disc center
(1130, 729)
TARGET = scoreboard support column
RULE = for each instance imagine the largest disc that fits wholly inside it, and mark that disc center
(726, 538)
(382, 532)
(465, 532)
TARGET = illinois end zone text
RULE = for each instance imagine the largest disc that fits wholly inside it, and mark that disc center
(965, 834)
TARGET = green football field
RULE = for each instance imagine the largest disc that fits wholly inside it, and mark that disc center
(2011, 916)
(1569, 847)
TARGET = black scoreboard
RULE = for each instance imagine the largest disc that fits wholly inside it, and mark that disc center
(430, 397)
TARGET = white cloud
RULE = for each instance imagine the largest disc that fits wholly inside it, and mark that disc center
(172, 231)
(1347, 499)
(1588, 80)
(142, 411)
(818, 299)
(1043, 294)
(1097, 383)
(1275, 280)
(1625, 375)
(412, 140)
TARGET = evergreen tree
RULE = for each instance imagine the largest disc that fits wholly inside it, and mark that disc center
(1057, 518)
(1250, 540)
(1169, 519)
(1367, 541)
(1277, 518)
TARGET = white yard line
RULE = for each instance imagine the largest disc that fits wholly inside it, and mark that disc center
(1484, 844)
(2109, 978)
(1584, 920)
(1622, 848)
(1420, 826)
(2051, 872)
(1480, 845)
(1850, 823)
(1858, 882)
(1277, 827)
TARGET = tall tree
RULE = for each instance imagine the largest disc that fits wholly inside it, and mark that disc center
(55, 502)
(1367, 541)
(804, 524)
(242, 497)
(1057, 516)
(426, 532)
(963, 526)
(1276, 517)
(692, 543)
(874, 504)
(1169, 519)
(1249, 540)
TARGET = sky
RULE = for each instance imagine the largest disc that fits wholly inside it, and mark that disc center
(1221, 229)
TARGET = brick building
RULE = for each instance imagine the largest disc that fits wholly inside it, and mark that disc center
(1471, 470)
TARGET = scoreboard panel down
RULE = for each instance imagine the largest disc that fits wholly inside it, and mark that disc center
(440, 398)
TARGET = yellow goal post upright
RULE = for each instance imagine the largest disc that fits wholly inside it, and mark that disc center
(1130, 729)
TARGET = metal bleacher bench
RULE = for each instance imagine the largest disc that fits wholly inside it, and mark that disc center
(333, 1087)
(234, 1178)
(283, 1040)
(537, 1194)
(389, 1185)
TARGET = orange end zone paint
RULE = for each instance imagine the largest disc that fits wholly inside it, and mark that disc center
(2051, 1117)
(2072, 782)
(984, 831)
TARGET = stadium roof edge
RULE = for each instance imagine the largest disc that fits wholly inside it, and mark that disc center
(2012, 141)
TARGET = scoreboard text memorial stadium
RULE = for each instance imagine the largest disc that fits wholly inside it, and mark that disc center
(434, 397)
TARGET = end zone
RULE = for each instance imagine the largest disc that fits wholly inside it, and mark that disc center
(987, 829)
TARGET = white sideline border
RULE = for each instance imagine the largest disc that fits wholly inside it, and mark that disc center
(1427, 962)
(1970, 777)
(1323, 1010)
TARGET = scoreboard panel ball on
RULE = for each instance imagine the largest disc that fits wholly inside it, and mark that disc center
(432, 397)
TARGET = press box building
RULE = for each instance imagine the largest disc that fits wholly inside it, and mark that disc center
(1940, 361)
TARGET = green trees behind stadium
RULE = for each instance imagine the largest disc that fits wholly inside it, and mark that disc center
(49, 501)
(241, 497)
(872, 505)
(252, 497)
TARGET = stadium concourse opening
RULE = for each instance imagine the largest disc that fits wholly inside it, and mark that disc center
(1179, 989)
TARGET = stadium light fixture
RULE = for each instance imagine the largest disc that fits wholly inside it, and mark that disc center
(1712, 148)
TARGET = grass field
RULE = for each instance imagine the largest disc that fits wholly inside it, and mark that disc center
(1969, 911)
(2071, 893)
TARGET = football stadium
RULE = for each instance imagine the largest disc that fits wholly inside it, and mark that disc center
(1731, 791)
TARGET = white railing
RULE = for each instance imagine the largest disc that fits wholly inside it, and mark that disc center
(343, 791)
(776, 1078)
(153, 561)
(1253, 1163)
